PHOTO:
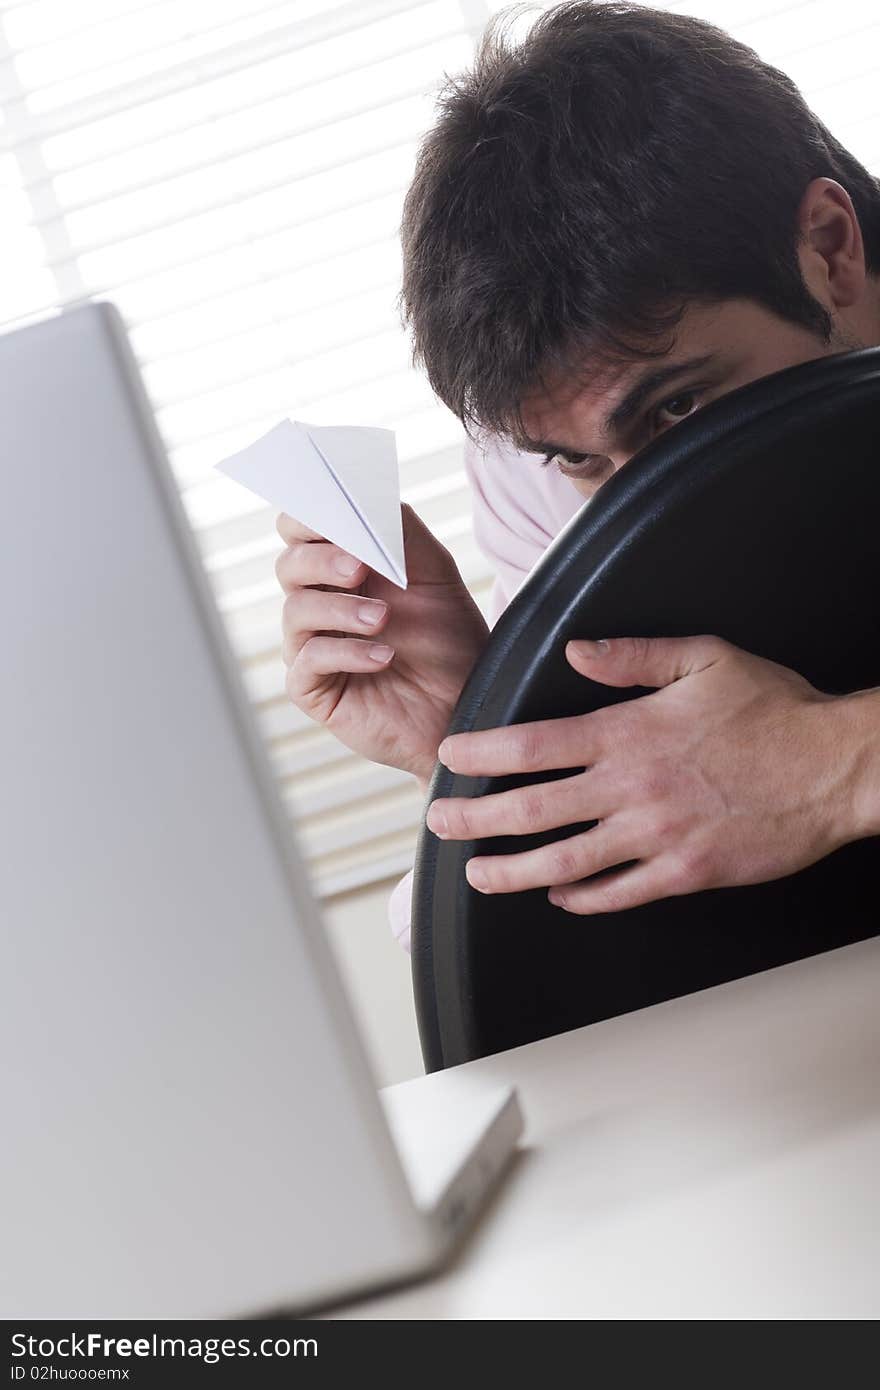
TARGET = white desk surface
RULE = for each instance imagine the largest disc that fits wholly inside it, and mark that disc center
(717, 1156)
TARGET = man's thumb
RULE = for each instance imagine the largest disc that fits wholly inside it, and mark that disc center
(649, 661)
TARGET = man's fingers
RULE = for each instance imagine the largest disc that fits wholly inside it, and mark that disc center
(304, 565)
(330, 656)
(522, 811)
(565, 861)
(541, 746)
(643, 883)
(310, 611)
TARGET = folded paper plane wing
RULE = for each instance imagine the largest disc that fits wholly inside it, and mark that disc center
(341, 481)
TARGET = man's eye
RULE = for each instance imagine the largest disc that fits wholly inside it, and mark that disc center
(564, 460)
(578, 465)
(676, 408)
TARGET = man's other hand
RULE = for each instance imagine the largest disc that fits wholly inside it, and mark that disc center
(733, 770)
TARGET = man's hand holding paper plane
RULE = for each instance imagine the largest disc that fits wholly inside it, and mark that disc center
(380, 632)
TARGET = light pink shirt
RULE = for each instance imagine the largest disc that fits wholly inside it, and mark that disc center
(519, 507)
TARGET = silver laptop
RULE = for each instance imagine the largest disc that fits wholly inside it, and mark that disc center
(191, 1125)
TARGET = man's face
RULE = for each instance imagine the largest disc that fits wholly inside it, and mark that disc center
(717, 348)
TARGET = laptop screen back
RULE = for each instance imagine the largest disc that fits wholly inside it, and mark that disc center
(192, 1128)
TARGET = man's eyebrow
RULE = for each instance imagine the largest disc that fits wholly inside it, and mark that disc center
(626, 409)
(629, 406)
(645, 387)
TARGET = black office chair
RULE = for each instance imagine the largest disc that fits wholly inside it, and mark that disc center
(757, 520)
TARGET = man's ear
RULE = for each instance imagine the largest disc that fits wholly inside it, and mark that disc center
(831, 250)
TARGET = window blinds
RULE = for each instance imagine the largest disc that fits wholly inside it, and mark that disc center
(231, 173)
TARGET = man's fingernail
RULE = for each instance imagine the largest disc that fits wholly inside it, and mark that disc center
(437, 821)
(599, 648)
(443, 753)
(347, 564)
(370, 613)
(477, 876)
(556, 898)
(379, 652)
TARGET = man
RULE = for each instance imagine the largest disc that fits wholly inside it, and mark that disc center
(613, 222)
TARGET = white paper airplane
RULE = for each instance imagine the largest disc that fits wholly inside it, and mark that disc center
(342, 481)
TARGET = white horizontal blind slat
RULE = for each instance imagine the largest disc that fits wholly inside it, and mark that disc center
(118, 144)
(146, 42)
(346, 832)
(382, 320)
(375, 870)
(334, 793)
(275, 221)
(189, 73)
(194, 167)
(61, 20)
(219, 204)
(136, 289)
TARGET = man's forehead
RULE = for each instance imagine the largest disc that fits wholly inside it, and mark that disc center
(585, 389)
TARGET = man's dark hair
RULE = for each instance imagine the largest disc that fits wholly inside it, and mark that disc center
(582, 186)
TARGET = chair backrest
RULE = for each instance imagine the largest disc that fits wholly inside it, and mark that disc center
(757, 520)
